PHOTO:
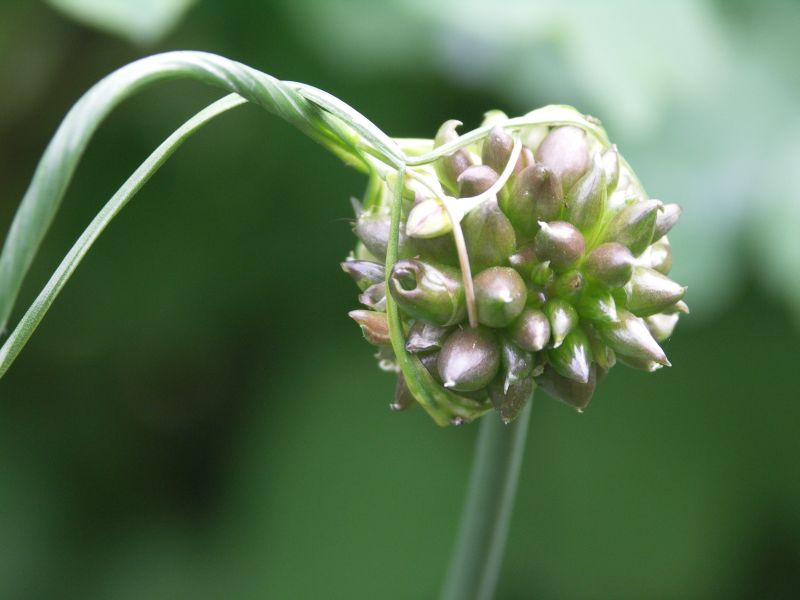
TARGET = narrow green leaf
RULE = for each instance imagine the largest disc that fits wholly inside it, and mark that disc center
(58, 164)
(31, 319)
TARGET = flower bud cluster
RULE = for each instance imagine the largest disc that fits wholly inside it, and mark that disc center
(568, 270)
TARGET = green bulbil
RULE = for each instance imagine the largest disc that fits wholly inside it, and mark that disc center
(630, 337)
(661, 325)
(573, 358)
(489, 236)
(562, 317)
(524, 259)
(570, 392)
(372, 228)
(496, 150)
(364, 272)
(565, 152)
(633, 226)
(500, 295)
(531, 330)
(536, 195)
(469, 359)
(597, 305)
(542, 275)
(449, 167)
(516, 362)
(568, 286)
(509, 400)
(586, 201)
(560, 243)
(610, 264)
(476, 180)
(649, 292)
(429, 292)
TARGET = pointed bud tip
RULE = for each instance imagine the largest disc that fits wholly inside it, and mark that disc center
(358, 208)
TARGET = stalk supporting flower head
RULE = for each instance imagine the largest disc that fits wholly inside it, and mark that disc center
(516, 268)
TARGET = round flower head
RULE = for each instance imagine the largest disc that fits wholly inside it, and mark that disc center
(526, 254)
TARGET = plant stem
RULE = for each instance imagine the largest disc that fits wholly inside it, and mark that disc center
(478, 553)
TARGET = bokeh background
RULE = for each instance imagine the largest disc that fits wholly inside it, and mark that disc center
(198, 418)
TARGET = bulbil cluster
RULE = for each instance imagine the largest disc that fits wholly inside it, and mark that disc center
(568, 269)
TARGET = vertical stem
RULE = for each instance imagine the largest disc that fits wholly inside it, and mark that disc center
(478, 553)
(466, 270)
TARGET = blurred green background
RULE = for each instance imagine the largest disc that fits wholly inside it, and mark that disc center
(198, 418)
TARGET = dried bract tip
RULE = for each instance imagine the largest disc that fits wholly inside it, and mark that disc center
(373, 325)
(374, 297)
(425, 336)
(403, 398)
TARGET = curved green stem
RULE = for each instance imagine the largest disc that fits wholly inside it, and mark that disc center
(478, 553)
(315, 117)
